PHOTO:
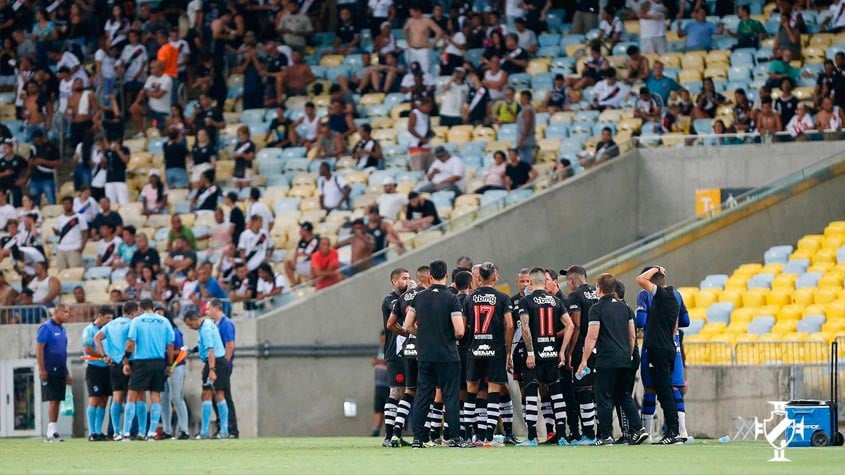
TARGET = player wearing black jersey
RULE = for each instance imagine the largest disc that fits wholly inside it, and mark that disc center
(573, 419)
(580, 299)
(462, 281)
(546, 332)
(407, 343)
(392, 356)
(488, 312)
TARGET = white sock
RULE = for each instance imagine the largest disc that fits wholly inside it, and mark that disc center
(648, 422)
(682, 424)
(51, 429)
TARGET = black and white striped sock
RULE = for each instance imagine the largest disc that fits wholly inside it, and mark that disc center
(492, 415)
(402, 411)
(389, 416)
(531, 402)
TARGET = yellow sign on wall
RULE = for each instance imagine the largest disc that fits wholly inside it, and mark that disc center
(707, 200)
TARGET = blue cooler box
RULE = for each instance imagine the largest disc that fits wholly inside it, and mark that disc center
(816, 416)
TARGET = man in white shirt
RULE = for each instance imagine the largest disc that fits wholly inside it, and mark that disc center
(609, 93)
(527, 38)
(445, 174)
(157, 90)
(455, 94)
(332, 189)
(254, 244)
(391, 202)
(7, 211)
(257, 208)
(652, 17)
(835, 22)
(71, 229)
(107, 247)
(133, 60)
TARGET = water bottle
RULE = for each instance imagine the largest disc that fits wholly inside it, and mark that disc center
(690, 440)
(725, 439)
(580, 376)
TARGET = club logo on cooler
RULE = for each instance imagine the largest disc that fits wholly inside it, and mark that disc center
(775, 430)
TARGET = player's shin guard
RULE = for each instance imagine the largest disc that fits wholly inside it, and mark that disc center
(559, 408)
(223, 414)
(155, 416)
(649, 408)
(141, 413)
(492, 415)
(480, 418)
(128, 417)
(548, 416)
(389, 416)
(116, 411)
(206, 417)
(435, 419)
(91, 419)
(587, 407)
(531, 402)
(506, 405)
(682, 415)
(402, 411)
(469, 414)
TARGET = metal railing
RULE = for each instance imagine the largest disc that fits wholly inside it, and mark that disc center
(710, 353)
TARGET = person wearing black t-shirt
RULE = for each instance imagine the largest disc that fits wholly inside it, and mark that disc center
(117, 157)
(175, 160)
(346, 36)
(659, 342)
(208, 117)
(12, 173)
(435, 318)
(144, 256)
(392, 352)
(517, 172)
(838, 81)
(280, 133)
(44, 159)
(515, 59)
(236, 217)
(611, 334)
(420, 214)
(203, 155)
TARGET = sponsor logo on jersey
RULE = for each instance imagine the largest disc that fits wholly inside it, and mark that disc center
(484, 298)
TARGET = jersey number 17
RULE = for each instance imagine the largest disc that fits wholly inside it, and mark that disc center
(484, 312)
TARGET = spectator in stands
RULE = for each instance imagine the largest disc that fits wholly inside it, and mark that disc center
(780, 69)
(177, 120)
(295, 27)
(708, 101)
(638, 67)
(82, 107)
(268, 284)
(383, 232)
(391, 202)
(37, 110)
(8, 294)
(420, 214)
(478, 101)
(494, 179)
(445, 174)
(236, 216)
(367, 151)
(526, 121)
(203, 157)
(72, 232)
(419, 126)
(595, 68)
(828, 119)
(586, 16)
(800, 124)
(154, 194)
(609, 93)
(749, 32)
(768, 121)
(105, 216)
(505, 111)
(786, 104)
(495, 79)
(298, 263)
(7, 211)
(347, 36)
(220, 233)
(836, 18)
(27, 313)
(298, 76)
(175, 153)
(177, 230)
(526, 39)
(207, 117)
(157, 90)
(116, 296)
(606, 148)
(332, 189)
(325, 265)
(116, 159)
(515, 59)
(652, 15)
(699, 33)
(244, 155)
(44, 160)
(242, 286)
(791, 28)
(208, 286)
(45, 288)
(13, 173)
(838, 82)
(362, 245)
(168, 55)
(207, 194)
(280, 133)
(557, 99)
(81, 310)
(134, 287)
(421, 33)
(494, 46)
(417, 81)
(127, 248)
(307, 126)
(145, 256)
(133, 65)
(518, 172)
(453, 53)
(455, 93)
(86, 205)
(649, 107)
(610, 28)
(181, 258)
(824, 83)
(45, 33)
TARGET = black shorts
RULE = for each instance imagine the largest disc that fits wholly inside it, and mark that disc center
(493, 369)
(381, 395)
(587, 381)
(411, 372)
(396, 373)
(119, 381)
(148, 375)
(98, 380)
(222, 370)
(519, 367)
(544, 372)
(53, 389)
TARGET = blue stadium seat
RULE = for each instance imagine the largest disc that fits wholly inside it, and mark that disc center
(519, 195)
(739, 73)
(69, 285)
(557, 130)
(550, 51)
(297, 165)
(473, 56)
(294, 152)
(94, 273)
(562, 65)
(118, 275)
(761, 325)
(714, 281)
(409, 176)
(703, 126)
(377, 177)
(393, 150)
(743, 57)
(694, 327)
(548, 39)
(761, 281)
(506, 132)
(286, 204)
(796, 266)
(808, 280)
(443, 198)
(554, 20)
(810, 324)
(720, 312)
(156, 145)
(621, 48)
(314, 166)
(278, 180)
(473, 161)
(587, 116)
(493, 196)
(394, 98)
(398, 162)
(777, 254)
(269, 153)
(520, 80)
(270, 167)
(573, 39)
(333, 73)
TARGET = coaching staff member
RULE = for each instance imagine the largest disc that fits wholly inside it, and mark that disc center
(51, 353)
(435, 318)
(659, 343)
(611, 332)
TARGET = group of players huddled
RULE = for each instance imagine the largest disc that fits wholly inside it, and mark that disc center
(539, 335)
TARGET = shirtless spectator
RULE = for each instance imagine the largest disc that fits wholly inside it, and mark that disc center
(827, 119)
(297, 76)
(362, 244)
(418, 31)
(638, 67)
(81, 310)
(81, 107)
(768, 121)
(37, 110)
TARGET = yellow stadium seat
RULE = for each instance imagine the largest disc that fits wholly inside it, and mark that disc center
(801, 254)
(824, 255)
(732, 296)
(497, 145)
(810, 241)
(789, 312)
(835, 228)
(693, 60)
(774, 268)
(835, 310)
(749, 269)
(688, 294)
(771, 310)
(813, 310)
(754, 298)
(833, 242)
(629, 124)
(716, 73)
(737, 283)
(706, 298)
(689, 75)
(331, 60)
(718, 57)
(784, 282)
(805, 93)
(743, 315)
(697, 313)
(803, 296)
(821, 267)
(537, 66)
(824, 296)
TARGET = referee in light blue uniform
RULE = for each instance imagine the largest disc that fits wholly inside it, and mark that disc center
(114, 349)
(215, 372)
(97, 377)
(217, 311)
(150, 340)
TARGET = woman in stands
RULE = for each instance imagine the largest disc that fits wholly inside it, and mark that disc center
(493, 46)
(116, 27)
(244, 155)
(494, 179)
(177, 120)
(742, 111)
(203, 156)
(154, 194)
(708, 101)
(30, 208)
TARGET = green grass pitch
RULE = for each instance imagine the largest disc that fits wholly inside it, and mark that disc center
(363, 456)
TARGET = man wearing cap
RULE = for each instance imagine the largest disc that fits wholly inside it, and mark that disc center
(43, 161)
(445, 174)
(391, 202)
(13, 173)
(418, 31)
(420, 214)
(298, 263)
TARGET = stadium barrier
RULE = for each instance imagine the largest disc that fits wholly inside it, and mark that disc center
(709, 353)
(23, 314)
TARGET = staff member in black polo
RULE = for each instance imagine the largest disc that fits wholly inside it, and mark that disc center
(435, 318)
(660, 344)
(611, 333)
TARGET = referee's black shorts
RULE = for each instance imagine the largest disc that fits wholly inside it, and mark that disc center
(53, 389)
(148, 375)
(411, 372)
(98, 380)
(543, 372)
(222, 381)
(493, 369)
(119, 381)
(396, 373)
